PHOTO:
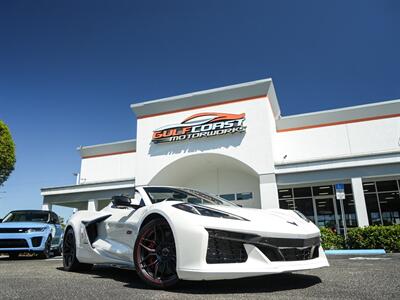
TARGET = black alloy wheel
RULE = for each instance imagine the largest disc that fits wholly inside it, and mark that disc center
(70, 262)
(46, 253)
(155, 255)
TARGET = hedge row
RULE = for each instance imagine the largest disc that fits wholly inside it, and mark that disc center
(372, 237)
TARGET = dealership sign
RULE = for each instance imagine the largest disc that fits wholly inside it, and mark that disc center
(199, 126)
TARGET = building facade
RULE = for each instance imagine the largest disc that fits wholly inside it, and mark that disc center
(233, 142)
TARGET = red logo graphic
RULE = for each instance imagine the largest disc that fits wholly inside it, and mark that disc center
(200, 125)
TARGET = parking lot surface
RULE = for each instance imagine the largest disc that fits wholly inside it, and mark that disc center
(347, 278)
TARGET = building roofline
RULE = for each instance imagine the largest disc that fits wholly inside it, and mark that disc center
(110, 184)
(119, 147)
(221, 95)
(338, 116)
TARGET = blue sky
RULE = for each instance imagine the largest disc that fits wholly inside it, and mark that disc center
(70, 69)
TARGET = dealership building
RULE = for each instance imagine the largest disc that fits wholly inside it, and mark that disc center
(234, 142)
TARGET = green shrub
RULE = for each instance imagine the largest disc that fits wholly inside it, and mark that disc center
(371, 237)
(375, 237)
(331, 240)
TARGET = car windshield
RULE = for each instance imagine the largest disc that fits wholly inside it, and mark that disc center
(159, 194)
(27, 216)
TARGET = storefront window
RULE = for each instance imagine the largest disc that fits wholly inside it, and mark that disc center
(348, 190)
(325, 213)
(237, 196)
(229, 197)
(369, 187)
(302, 192)
(285, 193)
(383, 202)
(350, 211)
(244, 196)
(385, 186)
(318, 203)
(322, 190)
(390, 208)
(305, 206)
(287, 204)
(374, 215)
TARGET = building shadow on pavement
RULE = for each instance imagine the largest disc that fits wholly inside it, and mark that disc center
(263, 284)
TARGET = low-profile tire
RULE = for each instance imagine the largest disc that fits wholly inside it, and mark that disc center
(70, 261)
(13, 255)
(155, 255)
(46, 253)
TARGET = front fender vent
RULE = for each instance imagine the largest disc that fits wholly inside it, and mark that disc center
(225, 248)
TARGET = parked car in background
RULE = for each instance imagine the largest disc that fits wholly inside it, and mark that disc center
(33, 231)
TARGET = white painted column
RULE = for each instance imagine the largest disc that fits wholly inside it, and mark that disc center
(268, 191)
(359, 200)
(47, 206)
(92, 205)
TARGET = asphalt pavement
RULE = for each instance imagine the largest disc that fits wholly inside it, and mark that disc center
(366, 277)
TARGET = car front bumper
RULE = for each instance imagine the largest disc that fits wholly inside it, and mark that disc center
(257, 264)
(23, 242)
(193, 248)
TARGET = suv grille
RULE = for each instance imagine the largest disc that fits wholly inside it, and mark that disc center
(13, 230)
(13, 243)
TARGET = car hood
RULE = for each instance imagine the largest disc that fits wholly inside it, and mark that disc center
(274, 221)
(256, 214)
(23, 225)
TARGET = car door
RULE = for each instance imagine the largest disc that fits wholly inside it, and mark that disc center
(120, 229)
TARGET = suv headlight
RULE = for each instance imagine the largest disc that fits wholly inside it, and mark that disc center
(40, 229)
(207, 212)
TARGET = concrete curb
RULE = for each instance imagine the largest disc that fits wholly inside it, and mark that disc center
(355, 252)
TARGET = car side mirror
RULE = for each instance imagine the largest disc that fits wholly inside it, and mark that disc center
(137, 202)
(121, 201)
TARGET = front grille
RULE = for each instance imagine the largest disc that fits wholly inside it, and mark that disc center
(13, 230)
(13, 243)
(36, 241)
(228, 247)
(224, 250)
(289, 254)
(292, 254)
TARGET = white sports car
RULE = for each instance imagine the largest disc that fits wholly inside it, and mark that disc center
(169, 234)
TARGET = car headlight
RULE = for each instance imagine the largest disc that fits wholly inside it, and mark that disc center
(207, 212)
(40, 229)
(302, 216)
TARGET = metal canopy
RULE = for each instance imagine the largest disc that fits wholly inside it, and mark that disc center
(75, 195)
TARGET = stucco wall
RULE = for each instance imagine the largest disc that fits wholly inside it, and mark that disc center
(368, 137)
(108, 168)
(253, 148)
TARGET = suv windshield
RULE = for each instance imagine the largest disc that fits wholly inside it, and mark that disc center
(27, 216)
(158, 194)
